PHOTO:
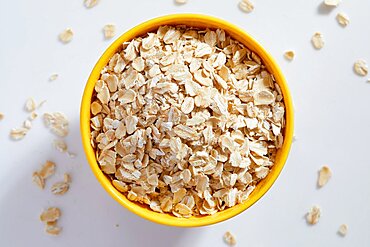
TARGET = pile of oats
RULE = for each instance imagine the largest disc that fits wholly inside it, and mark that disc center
(186, 121)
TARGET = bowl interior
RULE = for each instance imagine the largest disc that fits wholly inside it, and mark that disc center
(199, 21)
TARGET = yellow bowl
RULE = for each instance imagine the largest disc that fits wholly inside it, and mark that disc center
(199, 21)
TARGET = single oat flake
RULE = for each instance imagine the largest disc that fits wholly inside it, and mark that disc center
(57, 122)
(90, 3)
(18, 133)
(50, 215)
(60, 188)
(181, 1)
(343, 229)
(66, 36)
(313, 216)
(52, 228)
(30, 105)
(229, 238)
(246, 6)
(53, 77)
(317, 40)
(360, 67)
(289, 55)
(324, 176)
(342, 19)
(109, 31)
(331, 3)
(1, 116)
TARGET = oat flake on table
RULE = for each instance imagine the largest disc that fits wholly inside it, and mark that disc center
(91, 3)
(1, 116)
(109, 31)
(181, 1)
(313, 216)
(66, 35)
(289, 55)
(343, 229)
(342, 19)
(53, 77)
(246, 6)
(360, 67)
(186, 121)
(324, 176)
(331, 3)
(317, 40)
(229, 238)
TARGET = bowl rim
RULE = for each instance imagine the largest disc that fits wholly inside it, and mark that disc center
(193, 20)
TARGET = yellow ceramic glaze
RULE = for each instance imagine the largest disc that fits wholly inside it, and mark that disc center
(199, 21)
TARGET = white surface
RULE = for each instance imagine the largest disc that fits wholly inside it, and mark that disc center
(332, 125)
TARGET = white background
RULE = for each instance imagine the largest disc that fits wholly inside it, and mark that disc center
(332, 124)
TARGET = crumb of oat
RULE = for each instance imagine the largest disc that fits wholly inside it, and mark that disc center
(343, 229)
(289, 55)
(229, 238)
(324, 176)
(1, 116)
(313, 216)
(66, 36)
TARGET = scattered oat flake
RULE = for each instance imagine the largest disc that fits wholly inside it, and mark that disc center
(109, 31)
(18, 133)
(38, 180)
(324, 176)
(1, 116)
(246, 6)
(66, 36)
(52, 228)
(229, 238)
(289, 55)
(53, 77)
(90, 3)
(33, 116)
(57, 122)
(317, 40)
(60, 188)
(50, 215)
(331, 3)
(60, 145)
(30, 105)
(342, 19)
(67, 178)
(313, 215)
(343, 229)
(47, 170)
(360, 67)
(181, 1)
